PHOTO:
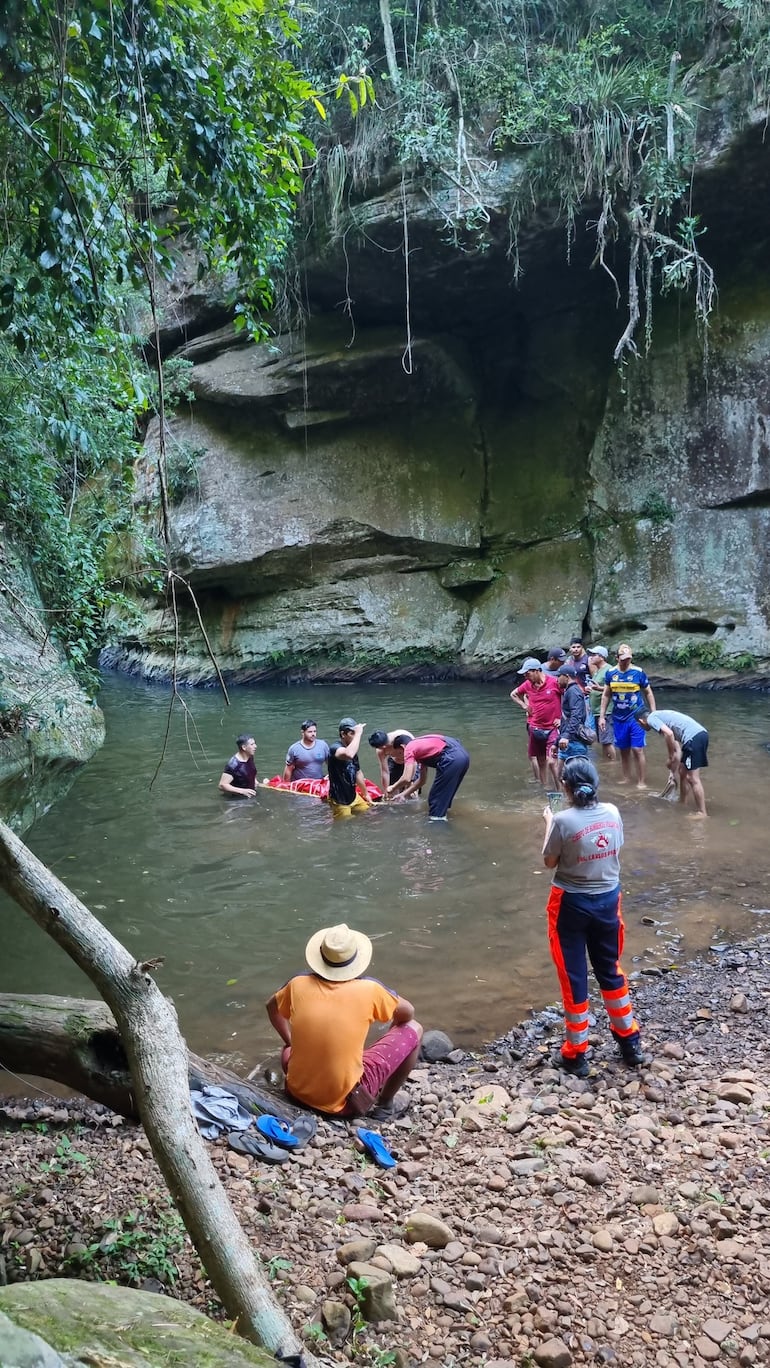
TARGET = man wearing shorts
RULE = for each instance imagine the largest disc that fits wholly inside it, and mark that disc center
(629, 689)
(347, 785)
(540, 698)
(597, 676)
(687, 743)
(323, 1017)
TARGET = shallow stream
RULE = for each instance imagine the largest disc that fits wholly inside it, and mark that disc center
(229, 892)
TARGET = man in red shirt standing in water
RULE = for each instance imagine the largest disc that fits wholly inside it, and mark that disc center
(540, 698)
(447, 756)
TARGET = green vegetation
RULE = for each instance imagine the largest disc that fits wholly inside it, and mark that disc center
(122, 127)
(598, 101)
(143, 1244)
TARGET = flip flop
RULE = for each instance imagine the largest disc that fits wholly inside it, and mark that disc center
(290, 1135)
(248, 1142)
(374, 1145)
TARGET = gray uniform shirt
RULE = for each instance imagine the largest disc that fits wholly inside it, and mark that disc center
(308, 761)
(587, 842)
(683, 727)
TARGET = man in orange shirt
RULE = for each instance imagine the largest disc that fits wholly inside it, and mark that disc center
(323, 1018)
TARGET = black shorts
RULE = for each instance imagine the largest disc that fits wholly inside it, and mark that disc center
(695, 753)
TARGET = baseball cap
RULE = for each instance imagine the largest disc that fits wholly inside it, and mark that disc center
(600, 651)
(570, 670)
(530, 664)
(557, 653)
(348, 724)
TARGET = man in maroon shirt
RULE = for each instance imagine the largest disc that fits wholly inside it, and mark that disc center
(540, 698)
(447, 756)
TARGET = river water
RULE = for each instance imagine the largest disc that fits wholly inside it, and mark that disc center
(229, 892)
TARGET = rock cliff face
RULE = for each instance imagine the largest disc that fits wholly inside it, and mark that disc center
(48, 728)
(449, 479)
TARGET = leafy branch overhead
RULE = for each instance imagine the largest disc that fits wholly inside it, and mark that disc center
(595, 102)
(122, 127)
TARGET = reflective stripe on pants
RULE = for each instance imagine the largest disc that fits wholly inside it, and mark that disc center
(581, 927)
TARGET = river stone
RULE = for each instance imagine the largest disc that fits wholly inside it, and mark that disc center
(717, 1330)
(734, 1092)
(377, 1300)
(644, 1195)
(491, 1100)
(95, 1322)
(553, 1354)
(23, 1349)
(422, 1228)
(707, 1348)
(402, 1261)
(665, 1223)
(356, 1249)
(336, 1317)
(436, 1045)
(594, 1174)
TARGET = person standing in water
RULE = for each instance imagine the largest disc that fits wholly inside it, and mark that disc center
(347, 785)
(628, 688)
(239, 777)
(582, 846)
(687, 743)
(307, 757)
(447, 756)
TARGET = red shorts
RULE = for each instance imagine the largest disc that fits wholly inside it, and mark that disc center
(537, 747)
(383, 1057)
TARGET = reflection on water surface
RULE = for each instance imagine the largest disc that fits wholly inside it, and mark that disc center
(230, 892)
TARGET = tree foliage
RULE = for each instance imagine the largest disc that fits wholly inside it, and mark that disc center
(122, 125)
(598, 101)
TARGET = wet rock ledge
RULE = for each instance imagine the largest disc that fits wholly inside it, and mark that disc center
(623, 1219)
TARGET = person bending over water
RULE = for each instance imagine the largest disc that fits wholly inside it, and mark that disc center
(447, 756)
(687, 743)
(582, 846)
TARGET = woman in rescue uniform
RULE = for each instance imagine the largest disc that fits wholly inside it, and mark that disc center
(582, 847)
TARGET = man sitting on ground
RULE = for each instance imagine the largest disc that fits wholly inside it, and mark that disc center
(323, 1018)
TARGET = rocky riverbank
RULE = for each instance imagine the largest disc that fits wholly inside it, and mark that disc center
(622, 1219)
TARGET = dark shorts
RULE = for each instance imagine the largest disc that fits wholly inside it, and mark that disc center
(628, 734)
(606, 734)
(695, 752)
(537, 747)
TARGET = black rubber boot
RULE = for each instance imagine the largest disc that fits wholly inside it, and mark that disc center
(631, 1050)
(577, 1065)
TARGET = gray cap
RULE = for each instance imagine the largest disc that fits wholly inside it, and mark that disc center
(529, 664)
(347, 724)
(600, 651)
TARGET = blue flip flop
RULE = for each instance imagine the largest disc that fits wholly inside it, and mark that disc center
(374, 1145)
(289, 1134)
(279, 1132)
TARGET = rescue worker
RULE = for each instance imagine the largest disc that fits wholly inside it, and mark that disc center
(582, 846)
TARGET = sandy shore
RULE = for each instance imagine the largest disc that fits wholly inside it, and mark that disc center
(621, 1219)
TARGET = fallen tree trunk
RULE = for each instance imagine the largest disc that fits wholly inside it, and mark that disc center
(157, 1059)
(75, 1042)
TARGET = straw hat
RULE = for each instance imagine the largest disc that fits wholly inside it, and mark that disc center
(337, 953)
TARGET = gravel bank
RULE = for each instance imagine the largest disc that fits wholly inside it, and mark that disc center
(622, 1219)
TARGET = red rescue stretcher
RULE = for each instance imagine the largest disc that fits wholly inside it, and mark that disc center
(314, 788)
